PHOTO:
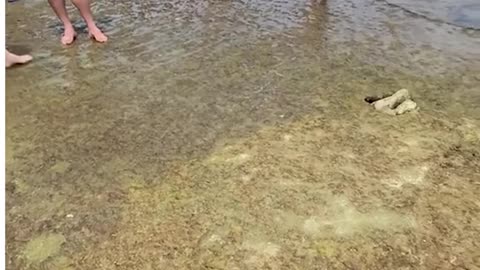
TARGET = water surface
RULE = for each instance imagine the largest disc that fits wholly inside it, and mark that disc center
(234, 135)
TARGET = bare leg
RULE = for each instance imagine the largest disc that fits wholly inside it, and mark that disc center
(12, 59)
(93, 31)
(69, 32)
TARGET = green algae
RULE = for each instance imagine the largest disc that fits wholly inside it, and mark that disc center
(43, 247)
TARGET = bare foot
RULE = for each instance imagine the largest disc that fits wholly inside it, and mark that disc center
(97, 35)
(69, 35)
(12, 59)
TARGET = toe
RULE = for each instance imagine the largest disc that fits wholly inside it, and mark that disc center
(25, 59)
(68, 39)
(99, 37)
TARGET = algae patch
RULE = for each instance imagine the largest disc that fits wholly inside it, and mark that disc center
(327, 248)
(43, 247)
(61, 263)
(345, 220)
(60, 167)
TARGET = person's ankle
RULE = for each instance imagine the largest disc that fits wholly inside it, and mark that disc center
(68, 26)
(90, 24)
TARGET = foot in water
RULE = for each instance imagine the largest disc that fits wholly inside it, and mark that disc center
(97, 35)
(13, 59)
(69, 35)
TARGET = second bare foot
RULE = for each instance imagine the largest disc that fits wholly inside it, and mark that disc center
(13, 59)
(97, 35)
(69, 35)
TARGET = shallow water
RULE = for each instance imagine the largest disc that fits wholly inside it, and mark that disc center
(460, 13)
(234, 135)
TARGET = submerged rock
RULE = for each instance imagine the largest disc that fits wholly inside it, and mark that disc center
(396, 104)
(407, 106)
(392, 101)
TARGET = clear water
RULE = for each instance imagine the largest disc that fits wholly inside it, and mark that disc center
(460, 13)
(234, 135)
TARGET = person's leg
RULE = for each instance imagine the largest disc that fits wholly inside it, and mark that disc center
(69, 32)
(12, 59)
(93, 31)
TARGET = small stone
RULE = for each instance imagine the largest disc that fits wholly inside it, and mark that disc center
(287, 137)
(371, 99)
(374, 98)
(453, 259)
(69, 216)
